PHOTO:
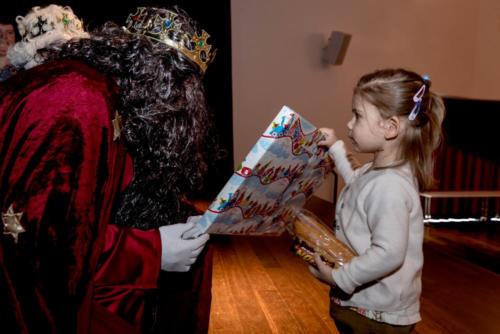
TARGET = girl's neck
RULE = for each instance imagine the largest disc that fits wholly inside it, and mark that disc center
(386, 158)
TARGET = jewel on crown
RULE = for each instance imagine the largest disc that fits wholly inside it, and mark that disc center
(161, 25)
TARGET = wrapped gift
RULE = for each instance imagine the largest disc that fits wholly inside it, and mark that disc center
(281, 171)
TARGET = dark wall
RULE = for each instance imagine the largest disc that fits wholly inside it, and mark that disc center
(472, 125)
(469, 158)
(214, 17)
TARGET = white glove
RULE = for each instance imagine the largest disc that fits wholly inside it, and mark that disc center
(194, 232)
(179, 254)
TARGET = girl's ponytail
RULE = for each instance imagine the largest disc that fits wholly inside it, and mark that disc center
(427, 139)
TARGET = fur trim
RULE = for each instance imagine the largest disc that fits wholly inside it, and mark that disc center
(44, 27)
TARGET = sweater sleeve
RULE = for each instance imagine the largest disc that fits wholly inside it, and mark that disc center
(339, 155)
(387, 207)
(131, 257)
(129, 267)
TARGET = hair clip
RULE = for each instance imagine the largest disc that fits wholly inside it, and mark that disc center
(417, 98)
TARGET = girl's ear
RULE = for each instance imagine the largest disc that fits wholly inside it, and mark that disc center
(392, 126)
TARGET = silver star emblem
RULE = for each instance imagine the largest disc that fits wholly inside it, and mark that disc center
(12, 223)
(117, 126)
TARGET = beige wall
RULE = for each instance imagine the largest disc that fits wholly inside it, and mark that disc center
(277, 49)
(486, 76)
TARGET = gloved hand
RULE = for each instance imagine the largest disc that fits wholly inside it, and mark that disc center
(179, 254)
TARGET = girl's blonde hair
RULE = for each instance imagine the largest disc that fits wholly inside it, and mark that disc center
(392, 92)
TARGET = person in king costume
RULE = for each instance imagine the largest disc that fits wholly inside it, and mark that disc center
(99, 148)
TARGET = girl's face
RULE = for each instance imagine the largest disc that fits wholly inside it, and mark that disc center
(366, 127)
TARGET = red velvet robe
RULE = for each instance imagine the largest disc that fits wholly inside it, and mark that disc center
(71, 271)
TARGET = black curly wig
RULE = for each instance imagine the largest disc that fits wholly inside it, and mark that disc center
(166, 124)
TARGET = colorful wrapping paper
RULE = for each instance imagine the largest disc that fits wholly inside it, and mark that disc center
(281, 171)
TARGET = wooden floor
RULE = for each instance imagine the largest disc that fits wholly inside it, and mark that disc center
(461, 281)
(260, 286)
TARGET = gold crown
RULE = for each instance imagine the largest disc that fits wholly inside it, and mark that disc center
(162, 25)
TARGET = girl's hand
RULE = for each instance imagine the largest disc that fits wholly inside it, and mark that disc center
(324, 272)
(330, 137)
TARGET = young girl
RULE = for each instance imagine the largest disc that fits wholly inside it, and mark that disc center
(397, 119)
